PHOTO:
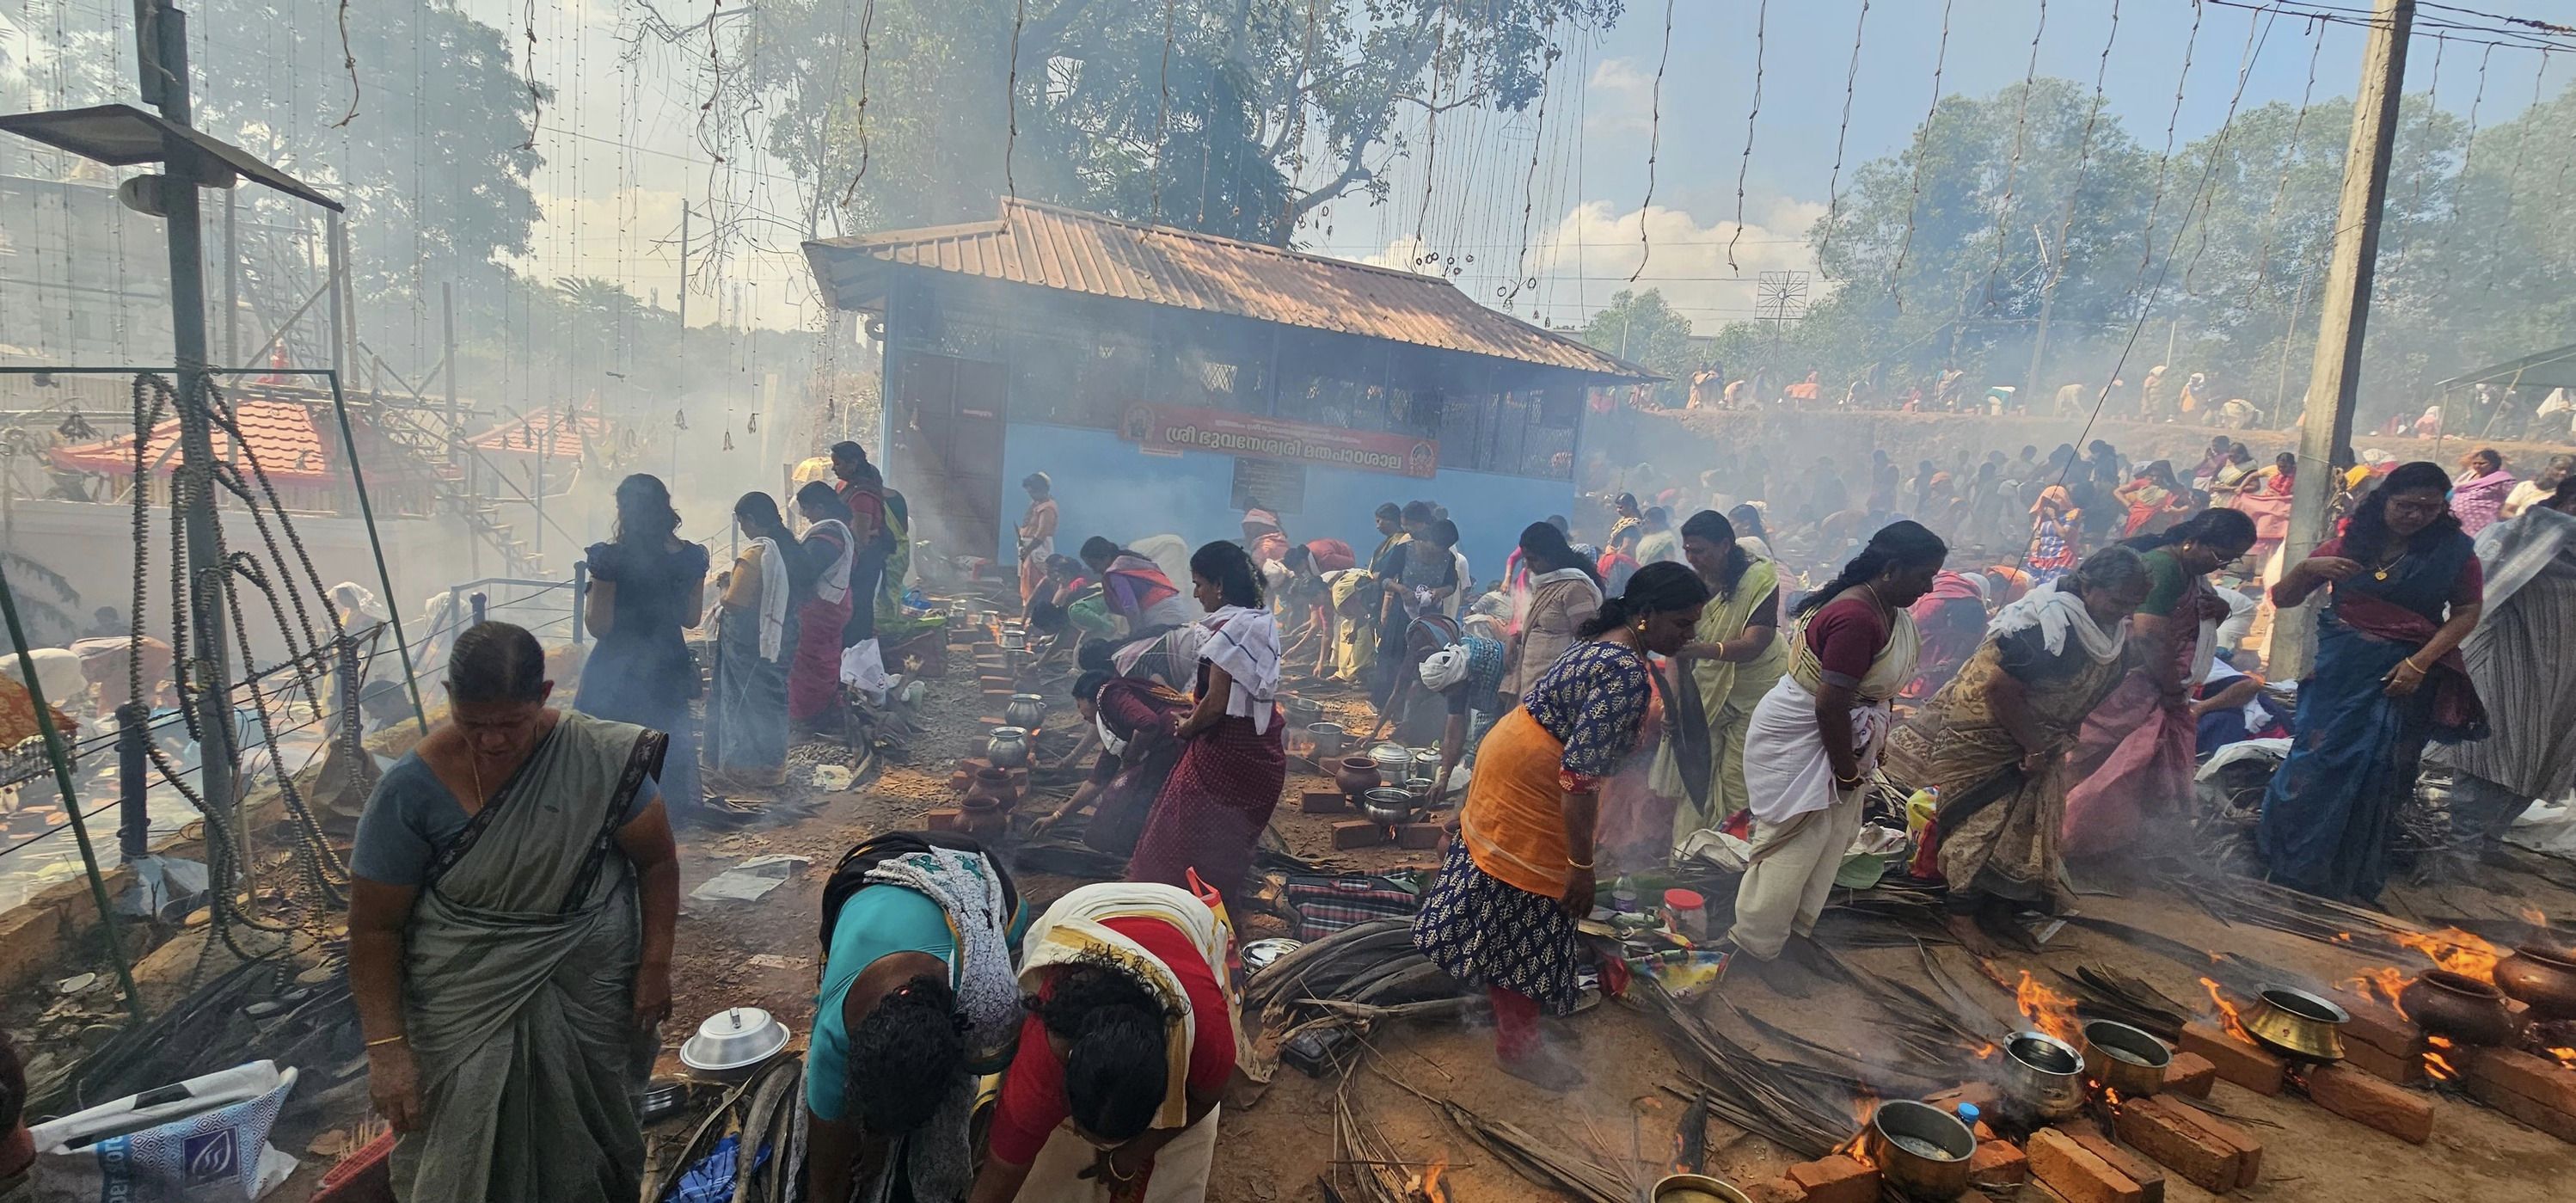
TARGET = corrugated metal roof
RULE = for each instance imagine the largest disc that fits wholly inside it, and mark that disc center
(1044, 246)
(562, 435)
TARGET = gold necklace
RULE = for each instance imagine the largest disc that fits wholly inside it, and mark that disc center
(2381, 573)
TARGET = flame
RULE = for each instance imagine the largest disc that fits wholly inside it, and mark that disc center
(2226, 1011)
(2460, 952)
(1857, 1148)
(2047, 1010)
(2535, 916)
(1431, 1190)
(2382, 984)
(2343, 937)
(1985, 1050)
(2566, 1057)
(2435, 1062)
(2111, 1097)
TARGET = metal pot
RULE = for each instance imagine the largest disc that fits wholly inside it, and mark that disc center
(1008, 747)
(1695, 1188)
(2458, 1006)
(2542, 978)
(1026, 710)
(1387, 805)
(1260, 954)
(2125, 1059)
(2296, 1024)
(732, 1040)
(1426, 763)
(2043, 1076)
(1302, 711)
(1921, 1149)
(1328, 739)
(1392, 760)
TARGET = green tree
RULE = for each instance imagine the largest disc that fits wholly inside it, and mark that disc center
(1204, 115)
(1642, 329)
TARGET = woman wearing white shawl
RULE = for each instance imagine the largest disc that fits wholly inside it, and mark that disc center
(1210, 814)
(2518, 659)
(755, 627)
(1993, 741)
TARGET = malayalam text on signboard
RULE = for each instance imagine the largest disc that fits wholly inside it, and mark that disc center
(1171, 429)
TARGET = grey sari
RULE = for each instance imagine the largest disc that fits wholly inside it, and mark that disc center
(518, 984)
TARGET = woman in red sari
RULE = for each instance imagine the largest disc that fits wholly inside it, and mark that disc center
(814, 673)
(1211, 811)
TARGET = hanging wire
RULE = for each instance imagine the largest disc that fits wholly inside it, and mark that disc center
(2164, 164)
(1529, 180)
(2012, 166)
(2513, 177)
(1654, 144)
(349, 60)
(1011, 93)
(536, 95)
(1296, 143)
(2258, 33)
(1914, 197)
(1744, 164)
(2281, 188)
(1431, 133)
(2083, 155)
(2460, 185)
(2404, 251)
(1842, 134)
(1163, 105)
(867, 18)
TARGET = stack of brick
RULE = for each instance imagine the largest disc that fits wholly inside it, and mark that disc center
(2364, 1099)
(2204, 1150)
(2382, 1043)
(2235, 1058)
(2536, 1090)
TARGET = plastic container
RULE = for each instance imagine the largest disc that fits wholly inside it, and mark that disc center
(1687, 913)
(1919, 809)
(1623, 895)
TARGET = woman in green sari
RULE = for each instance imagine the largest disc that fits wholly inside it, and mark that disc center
(1732, 660)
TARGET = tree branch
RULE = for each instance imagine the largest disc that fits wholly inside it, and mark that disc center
(1354, 171)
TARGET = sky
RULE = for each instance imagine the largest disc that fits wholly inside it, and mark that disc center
(1549, 210)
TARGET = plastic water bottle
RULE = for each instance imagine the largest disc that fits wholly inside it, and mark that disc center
(1623, 895)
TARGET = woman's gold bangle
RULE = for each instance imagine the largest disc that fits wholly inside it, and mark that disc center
(1572, 863)
(2410, 663)
(387, 1040)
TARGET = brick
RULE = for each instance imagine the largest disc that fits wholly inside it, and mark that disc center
(1836, 1179)
(2190, 1074)
(2249, 1151)
(2556, 1123)
(2235, 1059)
(945, 818)
(1323, 802)
(1999, 1162)
(2385, 1066)
(1357, 833)
(1774, 1190)
(1983, 1094)
(2145, 1173)
(2373, 1103)
(2379, 1026)
(2072, 1170)
(1418, 837)
(2152, 1126)
(2539, 1079)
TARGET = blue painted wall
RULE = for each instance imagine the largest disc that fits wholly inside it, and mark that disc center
(1106, 486)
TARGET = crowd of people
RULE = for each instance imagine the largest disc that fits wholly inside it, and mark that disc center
(1621, 695)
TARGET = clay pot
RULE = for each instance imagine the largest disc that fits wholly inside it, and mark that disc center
(994, 786)
(2542, 978)
(2458, 1006)
(983, 818)
(1356, 775)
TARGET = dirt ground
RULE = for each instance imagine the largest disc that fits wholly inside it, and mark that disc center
(1278, 1142)
(1277, 1147)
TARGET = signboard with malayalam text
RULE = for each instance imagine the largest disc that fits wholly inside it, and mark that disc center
(1170, 430)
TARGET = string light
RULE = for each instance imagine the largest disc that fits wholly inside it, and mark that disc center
(2281, 189)
(1851, 83)
(2513, 176)
(1744, 164)
(2155, 203)
(2012, 166)
(1654, 144)
(1914, 198)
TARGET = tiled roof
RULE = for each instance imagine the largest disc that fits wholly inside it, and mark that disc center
(564, 435)
(1048, 247)
(282, 434)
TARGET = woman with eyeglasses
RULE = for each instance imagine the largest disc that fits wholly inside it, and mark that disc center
(2404, 589)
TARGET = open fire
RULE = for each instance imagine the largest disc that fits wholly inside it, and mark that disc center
(2226, 1011)
(2461, 952)
(2383, 984)
(1864, 1108)
(1429, 1189)
(2437, 1060)
(2048, 1010)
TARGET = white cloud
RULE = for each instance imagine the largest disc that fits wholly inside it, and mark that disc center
(1621, 99)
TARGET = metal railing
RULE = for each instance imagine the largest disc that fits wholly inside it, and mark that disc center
(546, 608)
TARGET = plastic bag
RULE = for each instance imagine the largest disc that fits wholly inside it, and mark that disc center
(863, 669)
(198, 1141)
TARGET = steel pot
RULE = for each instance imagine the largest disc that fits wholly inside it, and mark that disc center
(1392, 760)
(1026, 710)
(1426, 763)
(2458, 1006)
(1008, 747)
(732, 1040)
(1328, 739)
(1695, 1188)
(2296, 1024)
(2542, 978)
(1302, 711)
(2125, 1059)
(2043, 1076)
(1387, 805)
(1921, 1149)
(1261, 954)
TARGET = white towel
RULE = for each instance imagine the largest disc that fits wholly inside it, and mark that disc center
(773, 597)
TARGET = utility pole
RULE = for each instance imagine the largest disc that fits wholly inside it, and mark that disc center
(2334, 377)
(161, 37)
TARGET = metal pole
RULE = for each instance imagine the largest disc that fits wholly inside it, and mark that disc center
(232, 278)
(482, 608)
(384, 577)
(339, 313)
(455, 411)
(163, 38)
(2334, 378)
(61, 759)
(133, 812)
(682, 339)
(580, 590)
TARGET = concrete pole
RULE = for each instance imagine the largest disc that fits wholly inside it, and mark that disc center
(162, 35)
(2334, 377)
